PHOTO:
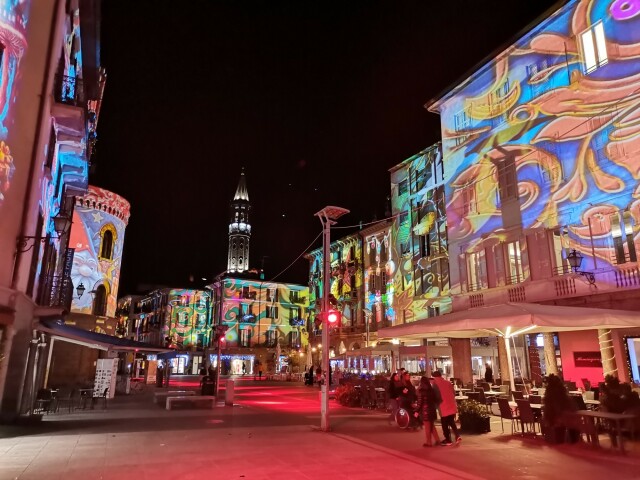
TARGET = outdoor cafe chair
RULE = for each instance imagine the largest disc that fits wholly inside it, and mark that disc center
(527, 416)
(67, 400)
(44, 401)
(507, 413)
(579, 401)
(483, 399)
(517, 395)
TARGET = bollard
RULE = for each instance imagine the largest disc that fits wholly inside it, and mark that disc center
(228, 396)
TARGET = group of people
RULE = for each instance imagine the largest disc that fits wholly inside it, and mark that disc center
(432, 396)
(315, 375)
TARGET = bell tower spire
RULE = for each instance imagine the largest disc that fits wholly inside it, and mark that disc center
(239, 228)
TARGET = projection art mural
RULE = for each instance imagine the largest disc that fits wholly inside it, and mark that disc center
(189, 318)
(97, 238)
(269, 311)
(14, 15)
(378, 279)
(563, 104)
(418, 261)
(346, 277)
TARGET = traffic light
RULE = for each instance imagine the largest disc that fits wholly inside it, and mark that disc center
(333, 317)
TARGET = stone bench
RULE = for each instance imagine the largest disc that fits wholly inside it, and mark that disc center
(172, 393)
(190, 399)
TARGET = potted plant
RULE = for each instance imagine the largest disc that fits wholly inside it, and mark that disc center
(474, 417)
(347, 395)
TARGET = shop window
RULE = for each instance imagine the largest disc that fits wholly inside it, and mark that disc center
(593, 46)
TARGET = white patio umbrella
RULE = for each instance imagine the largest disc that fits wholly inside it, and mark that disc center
(309, 356)
(511, 319)
(278, 353)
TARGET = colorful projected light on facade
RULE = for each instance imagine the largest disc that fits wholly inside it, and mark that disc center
(545, 141)
(13, 25)
(97, 238)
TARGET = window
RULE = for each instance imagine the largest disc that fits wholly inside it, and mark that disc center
(270, 338)
(245, 337)
(558, 248)
(594, 48)
(477, 270)
(421, 179)
(622, 233)
(404, 218)
(51, 150)
(100, 301)
(294, 339)
(406, 247)
(295, 296)
(469, 201)
(295, 314)
(515, 273)
(507, 179)
(403, 187)
(497, 101)
(272, 294)
(272, 311)
(106, 243)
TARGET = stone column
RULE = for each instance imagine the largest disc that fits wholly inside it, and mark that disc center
(607, 353)
(461, 357)
(550, 360)
(503, 362)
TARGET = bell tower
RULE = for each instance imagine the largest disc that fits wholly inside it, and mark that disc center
(239, 229)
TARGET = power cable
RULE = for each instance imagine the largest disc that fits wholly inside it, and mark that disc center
(297, 258)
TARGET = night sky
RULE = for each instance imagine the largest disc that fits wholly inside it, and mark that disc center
(316, 100)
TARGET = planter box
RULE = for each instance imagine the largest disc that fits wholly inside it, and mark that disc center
(470, 424)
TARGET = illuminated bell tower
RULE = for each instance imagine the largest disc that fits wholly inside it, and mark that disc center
(239, 229)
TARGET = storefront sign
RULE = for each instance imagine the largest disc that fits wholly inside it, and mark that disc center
(587, 359)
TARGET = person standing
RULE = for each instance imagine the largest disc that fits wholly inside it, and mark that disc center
(428, 409)
(393, 390)
(448, 408)
(488, 374)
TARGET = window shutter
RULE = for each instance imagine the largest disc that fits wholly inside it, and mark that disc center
(498, 258)
(462, 265)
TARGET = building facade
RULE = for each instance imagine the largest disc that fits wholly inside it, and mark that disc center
(51, 87)
(540, 147)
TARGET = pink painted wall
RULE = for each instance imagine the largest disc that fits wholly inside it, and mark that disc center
(580, 341)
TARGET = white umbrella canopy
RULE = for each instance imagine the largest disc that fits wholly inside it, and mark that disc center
(278, 353)
(509, 319)
(309, 355)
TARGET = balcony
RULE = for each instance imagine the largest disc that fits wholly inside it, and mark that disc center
(56, 291)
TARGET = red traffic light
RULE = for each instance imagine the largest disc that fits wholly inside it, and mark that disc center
(333, 316)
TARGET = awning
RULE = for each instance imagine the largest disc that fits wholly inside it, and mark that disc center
(56, 328)
(511, 319)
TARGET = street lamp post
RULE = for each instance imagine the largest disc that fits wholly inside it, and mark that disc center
(328, 216)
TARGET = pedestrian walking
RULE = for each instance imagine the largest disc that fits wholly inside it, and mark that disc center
(428, 409)
(448, 408)
(393, 390)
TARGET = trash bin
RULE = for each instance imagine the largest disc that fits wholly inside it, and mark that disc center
(208, 386)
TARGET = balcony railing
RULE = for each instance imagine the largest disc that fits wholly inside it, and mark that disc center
(57, 291)
(70, 91)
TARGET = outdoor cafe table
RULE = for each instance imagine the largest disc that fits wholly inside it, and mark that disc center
(491, 393)
(461, 397)
(613, 417)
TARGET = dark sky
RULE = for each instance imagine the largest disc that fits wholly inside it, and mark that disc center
(317, 100)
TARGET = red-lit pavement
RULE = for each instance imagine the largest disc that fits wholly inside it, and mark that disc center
(272, 432)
